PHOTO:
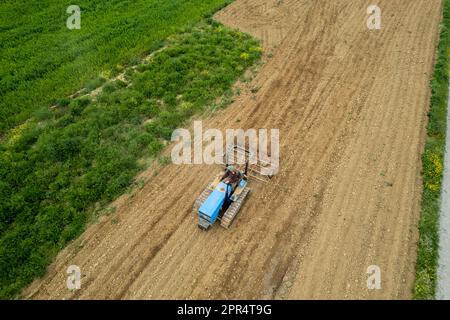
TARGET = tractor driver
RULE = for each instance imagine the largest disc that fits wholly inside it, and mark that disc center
(231, 176)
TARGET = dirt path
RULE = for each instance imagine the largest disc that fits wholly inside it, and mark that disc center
(351, 108)
(443, 280)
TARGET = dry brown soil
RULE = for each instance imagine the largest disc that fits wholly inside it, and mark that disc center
(351, 105)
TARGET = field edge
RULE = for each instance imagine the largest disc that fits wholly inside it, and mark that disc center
(432, 170)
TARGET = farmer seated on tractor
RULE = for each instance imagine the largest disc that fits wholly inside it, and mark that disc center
(231, 176)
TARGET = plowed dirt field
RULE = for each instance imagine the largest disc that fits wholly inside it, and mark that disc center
(351, 105)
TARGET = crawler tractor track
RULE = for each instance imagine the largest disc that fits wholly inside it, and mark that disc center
(203, 196)
(233, 210)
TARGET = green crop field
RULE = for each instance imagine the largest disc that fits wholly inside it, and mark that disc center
(42, 60)
(63, 155)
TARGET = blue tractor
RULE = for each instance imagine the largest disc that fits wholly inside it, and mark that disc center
(224, 197)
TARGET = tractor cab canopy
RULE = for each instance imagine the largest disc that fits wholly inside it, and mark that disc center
(211, 207)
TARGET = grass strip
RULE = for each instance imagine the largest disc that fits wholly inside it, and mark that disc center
(433, 158)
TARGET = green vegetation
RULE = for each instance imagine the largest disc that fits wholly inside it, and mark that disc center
(433, 156)
(41, 60)
(67, 162)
